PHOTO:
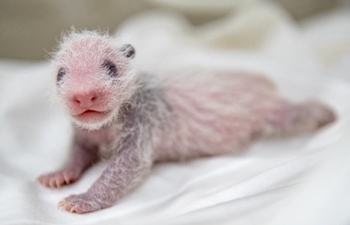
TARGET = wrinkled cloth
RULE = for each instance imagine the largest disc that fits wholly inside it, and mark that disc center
(254, 186)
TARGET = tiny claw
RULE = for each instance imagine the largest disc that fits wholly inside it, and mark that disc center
(58, 184)
(73, 209)
(66, 178)
(51, 183)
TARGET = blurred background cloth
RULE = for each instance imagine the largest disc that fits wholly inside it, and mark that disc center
(304, 49)
(28, 29)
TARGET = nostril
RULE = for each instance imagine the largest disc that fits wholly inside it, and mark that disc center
(77, 101)
(85, 100)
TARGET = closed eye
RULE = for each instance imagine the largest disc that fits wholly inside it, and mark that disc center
(110, 68)
(61, 73)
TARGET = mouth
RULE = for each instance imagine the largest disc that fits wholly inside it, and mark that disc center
(92, 116)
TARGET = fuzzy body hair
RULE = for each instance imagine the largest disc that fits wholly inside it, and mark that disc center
(175, 116)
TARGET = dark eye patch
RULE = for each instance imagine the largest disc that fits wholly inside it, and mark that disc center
(110, 68)
(61, 73)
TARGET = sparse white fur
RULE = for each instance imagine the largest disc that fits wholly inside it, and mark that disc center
(149, 118)
(125, 83)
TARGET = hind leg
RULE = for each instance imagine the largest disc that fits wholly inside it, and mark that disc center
(289, 119)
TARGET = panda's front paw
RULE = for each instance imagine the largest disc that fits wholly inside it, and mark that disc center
(82, 203)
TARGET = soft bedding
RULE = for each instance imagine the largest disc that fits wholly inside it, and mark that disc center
(259, 185)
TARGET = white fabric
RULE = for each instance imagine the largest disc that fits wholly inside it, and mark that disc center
(256, 186)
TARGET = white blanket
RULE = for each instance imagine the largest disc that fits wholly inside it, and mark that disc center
(258, 186)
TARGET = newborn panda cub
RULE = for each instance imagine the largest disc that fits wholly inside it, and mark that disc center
(138, 119)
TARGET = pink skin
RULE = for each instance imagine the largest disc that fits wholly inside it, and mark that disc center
(181, 117)
(83, 155)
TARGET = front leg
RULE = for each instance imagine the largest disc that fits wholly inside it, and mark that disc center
(132, 159)
(124, 171)
(83, 155)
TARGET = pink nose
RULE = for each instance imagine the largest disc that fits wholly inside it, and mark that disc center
(85, 100)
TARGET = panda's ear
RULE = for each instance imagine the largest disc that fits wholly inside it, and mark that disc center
(128, 51)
